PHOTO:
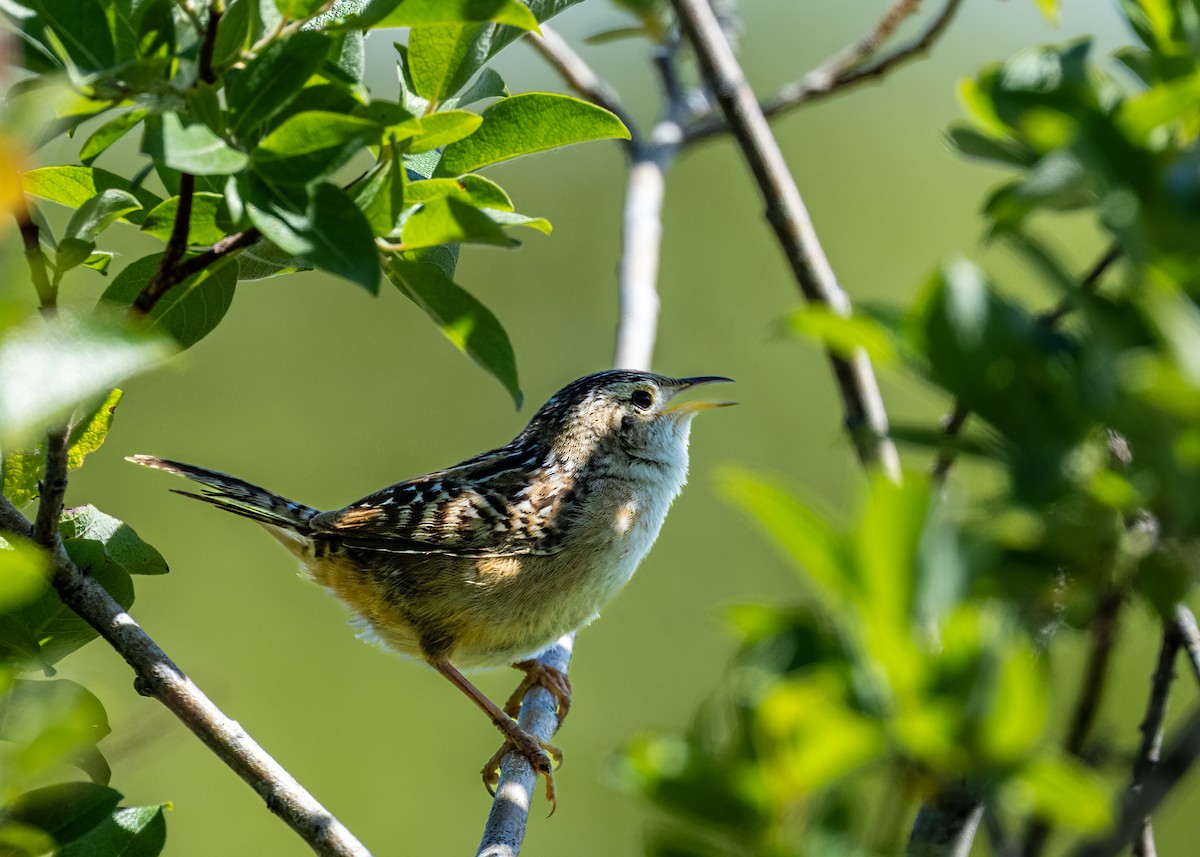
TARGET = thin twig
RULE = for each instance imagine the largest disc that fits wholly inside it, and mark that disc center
(1176, 760)
(866, 417)
(955, 421)
(1189, 637)
(844, 69)
(165, 277)
(226, 246)
(1102, 633)
(579, 75)
(215, 9)
(1150, 751)
(34, 257)
(159, 677)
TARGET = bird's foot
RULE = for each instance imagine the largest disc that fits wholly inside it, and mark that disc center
(544, 758)
(539, 674)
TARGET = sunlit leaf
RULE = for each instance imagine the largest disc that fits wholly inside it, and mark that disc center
(445, 220)
(130, 832)
(202, 227)
(270, 80)
(309, 146)
(24, 572)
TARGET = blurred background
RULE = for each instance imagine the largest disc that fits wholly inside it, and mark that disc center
(313, 389)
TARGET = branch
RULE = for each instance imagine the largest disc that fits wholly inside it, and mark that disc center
(1150, 751)
(579, 75)
(866, 417)
(1176, 760)
(844, 69)
(30, 238)
(159, 677)
(53, 488)
(946, 824)
(955, 421)
(1189, 637)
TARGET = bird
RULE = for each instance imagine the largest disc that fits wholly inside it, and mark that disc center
(486, 563)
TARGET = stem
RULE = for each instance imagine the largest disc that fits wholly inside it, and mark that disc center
(1150, 751)
(36, 259)
(165, 277)
(866, 417)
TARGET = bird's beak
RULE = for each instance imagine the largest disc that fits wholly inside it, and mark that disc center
(694, 407)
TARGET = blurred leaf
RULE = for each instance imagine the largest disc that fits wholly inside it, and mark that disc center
(299, 10)
(52, 722)
(319, 223)
(309, 146)
(109, 133)
(1063, 791)
(527, 123)
(465, 321)
(65, 811)
(270, 80)
(116, 540)
(843, 335)
(191, 148)
(129, 832)
(443, 128)
(804, 537)
(1144, 113)
(233, 32)
(1019, 701)
(1049, 9)
(445, 220)
(189, 311)
(202, 227)
(974, 144)
(78, 35)
(48, 367)
(413, 13)
(73, 186)
(21, 840)
(24, 572)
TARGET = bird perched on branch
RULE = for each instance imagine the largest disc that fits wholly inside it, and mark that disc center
(488, 562)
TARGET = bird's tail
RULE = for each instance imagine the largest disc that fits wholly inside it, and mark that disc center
(234, 495)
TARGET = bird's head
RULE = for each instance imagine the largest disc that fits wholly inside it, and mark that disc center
(635, 411)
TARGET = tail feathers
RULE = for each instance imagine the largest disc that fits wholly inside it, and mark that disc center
(234, 495)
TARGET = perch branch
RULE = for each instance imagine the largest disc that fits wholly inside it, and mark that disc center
(845, 68)
(866, 417)
(1150, 751)
(159, 677)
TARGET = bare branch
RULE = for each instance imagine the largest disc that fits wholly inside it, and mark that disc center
(955, 421)
(53, 488)
(1189, 637)
(1151, 728)
(866, 417)
(844, 69)
(165, 277)
(579, 75)
(36, 259)
(946, 824)
(1176, 761)
(159, 677)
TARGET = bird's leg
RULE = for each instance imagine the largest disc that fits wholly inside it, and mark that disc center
(543, 757)
(538, 673)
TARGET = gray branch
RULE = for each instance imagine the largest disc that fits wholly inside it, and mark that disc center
(866, 417)
(1189, 637)
(159, 677)
(1150, 750)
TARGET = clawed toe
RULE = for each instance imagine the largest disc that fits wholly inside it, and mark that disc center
(543, 757)
(540, 674)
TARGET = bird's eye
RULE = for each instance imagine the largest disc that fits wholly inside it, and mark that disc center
(642, 399)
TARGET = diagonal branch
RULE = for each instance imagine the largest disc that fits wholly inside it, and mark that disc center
(866, 417)
(159, 677)
(165, 277)
(1189, 637)
(1150, 751)
(844, 69)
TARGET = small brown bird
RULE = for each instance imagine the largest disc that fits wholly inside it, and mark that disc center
(488, 562)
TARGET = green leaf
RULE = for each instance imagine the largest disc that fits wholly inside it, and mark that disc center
(319, 223)
(24, 572)
(77, 34)
(88, 434)
(975, 144)
(298, 10)
(487, 85)
(65, 811)
(1017, 712)
(447, 221)
(202, 226)
(527, 123)
(190, 310)
(51, 722)
(392, 118)
(380, 195)
(98, 213)
(48, 367)
(411, 13)
(108, 133)
(511, 218)
(441, 129)
(263, 259)
(22, 471)
(472, 189)
(112, 541)
(233, 32)
(804, 537)
(72, 252)
(843, 335)
(310, 146)
(99, 261)
(1063, 791)
(436, 57)
(129, 832)
(465, 321)
(272, 79)
(1049, 9)
(73, 186)
(190, 148)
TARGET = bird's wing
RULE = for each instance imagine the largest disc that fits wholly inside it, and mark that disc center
(487, 506)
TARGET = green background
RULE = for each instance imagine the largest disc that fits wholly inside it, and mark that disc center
(315, 390)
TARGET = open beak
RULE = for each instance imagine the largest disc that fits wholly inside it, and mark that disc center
(694, 407)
